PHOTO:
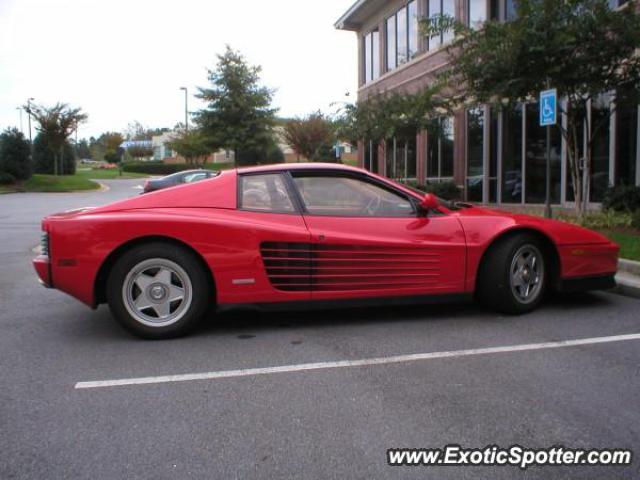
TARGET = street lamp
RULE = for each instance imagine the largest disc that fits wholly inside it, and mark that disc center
(29, 117)
(186, 111)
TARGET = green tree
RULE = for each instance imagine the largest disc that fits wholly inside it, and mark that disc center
(47, 160)
(56, 124)
(82, 150)
(15, 154)
(384, 116)
(582, 48)
(193, 146)
(110, 146)
(310, 137)
(238, 116)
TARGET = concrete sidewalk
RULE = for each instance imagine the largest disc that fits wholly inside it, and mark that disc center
(628, 278)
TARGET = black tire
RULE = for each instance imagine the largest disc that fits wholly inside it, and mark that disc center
(185, 271)
(495, 287)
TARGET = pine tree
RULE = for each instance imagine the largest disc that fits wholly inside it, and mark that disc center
(238, 116)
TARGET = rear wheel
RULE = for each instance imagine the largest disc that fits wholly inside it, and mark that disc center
(513, 276)
(158, 291)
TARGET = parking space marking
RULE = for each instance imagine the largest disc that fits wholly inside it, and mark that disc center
(414, 357)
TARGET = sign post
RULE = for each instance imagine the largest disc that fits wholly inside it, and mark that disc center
(548, 117)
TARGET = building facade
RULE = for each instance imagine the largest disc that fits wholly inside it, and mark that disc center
(494, 156)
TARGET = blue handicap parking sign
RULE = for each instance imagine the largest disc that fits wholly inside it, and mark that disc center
(548, 107)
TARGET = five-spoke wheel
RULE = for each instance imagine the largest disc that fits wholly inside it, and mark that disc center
(512, 277)
(158, 290)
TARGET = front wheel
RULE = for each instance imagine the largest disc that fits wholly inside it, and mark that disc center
(513, 276)
(158, 291)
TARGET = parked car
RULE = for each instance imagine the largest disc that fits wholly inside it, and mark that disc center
(187, 176)
(306, 235)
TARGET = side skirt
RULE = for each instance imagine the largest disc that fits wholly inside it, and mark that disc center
(350, 303)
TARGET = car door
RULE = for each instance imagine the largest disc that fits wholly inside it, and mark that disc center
(275, 239)
(370, 240)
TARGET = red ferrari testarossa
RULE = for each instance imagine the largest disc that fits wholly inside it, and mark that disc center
(307, 234)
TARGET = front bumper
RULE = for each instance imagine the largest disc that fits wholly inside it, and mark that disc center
(43, 268)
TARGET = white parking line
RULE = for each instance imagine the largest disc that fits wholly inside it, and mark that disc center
(352, 363)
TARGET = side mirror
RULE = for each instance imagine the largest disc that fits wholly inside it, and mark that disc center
(429, 202)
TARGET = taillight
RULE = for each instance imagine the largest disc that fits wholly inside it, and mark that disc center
(146, 184)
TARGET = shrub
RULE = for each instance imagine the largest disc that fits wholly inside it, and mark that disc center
(622, 198)
(446, 190)
(268, 154)
(43, 157)
(605, 220)
(14, 154)
(155, 168)
(7, 179)
(635, 219)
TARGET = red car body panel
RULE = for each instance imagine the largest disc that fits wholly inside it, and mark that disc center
(356, 257)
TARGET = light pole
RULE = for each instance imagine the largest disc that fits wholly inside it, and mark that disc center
(186, 110)
(20, 111)
(29, 117)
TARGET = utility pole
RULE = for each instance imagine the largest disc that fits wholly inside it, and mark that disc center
(186, 110)
(29, 117)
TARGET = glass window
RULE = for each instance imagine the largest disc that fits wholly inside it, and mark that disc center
(475, 154)
(440, 138)
(510, 10)
(449, 9)
(600, 119)
(476, 13)
(626, 142)
(350, 197)
(375, 53)
(368, 70)
(391, 43)
(508, 7)
(402, 35)
(371, 56)
(194, 177)
(512, 155)
(401, 22)
(494, 125)
(441, 7)
(435, 8)
(371, 156)
(536, 154)
(412, 12)
(265, 193)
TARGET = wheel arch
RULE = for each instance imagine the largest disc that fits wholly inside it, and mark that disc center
(550, 251)
(100, 284)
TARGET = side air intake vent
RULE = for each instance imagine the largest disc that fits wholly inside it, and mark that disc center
(308, 267)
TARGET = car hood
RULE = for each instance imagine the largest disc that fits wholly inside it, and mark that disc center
(562, 233)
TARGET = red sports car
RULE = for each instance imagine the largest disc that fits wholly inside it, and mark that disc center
(307, 234)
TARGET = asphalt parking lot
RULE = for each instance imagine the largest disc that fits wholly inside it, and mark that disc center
(325, 422)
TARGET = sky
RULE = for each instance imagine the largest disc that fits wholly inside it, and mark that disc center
(125, 60)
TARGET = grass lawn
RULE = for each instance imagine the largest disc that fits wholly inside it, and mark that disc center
(629, 242)
(103, 174)
(52, 183)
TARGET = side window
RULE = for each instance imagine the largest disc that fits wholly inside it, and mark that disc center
(350, 197)
(194, 177)
(265, 193)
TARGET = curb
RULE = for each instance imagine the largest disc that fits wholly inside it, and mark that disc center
(628, 278)
(629, 266)
(628, 285)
